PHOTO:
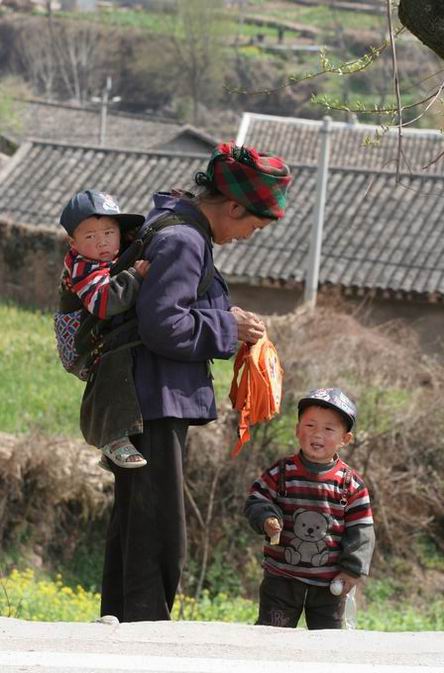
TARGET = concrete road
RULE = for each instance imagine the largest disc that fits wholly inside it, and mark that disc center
(196, 647)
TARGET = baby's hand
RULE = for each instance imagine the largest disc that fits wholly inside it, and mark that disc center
(142, 266)
(272, 529)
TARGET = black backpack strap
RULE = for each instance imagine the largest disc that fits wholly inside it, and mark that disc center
(206, 281)
(146, 233)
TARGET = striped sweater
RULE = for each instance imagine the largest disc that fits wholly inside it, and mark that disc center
(321, 535)
(101, 294)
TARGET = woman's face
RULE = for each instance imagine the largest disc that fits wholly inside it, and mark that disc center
(232, 222)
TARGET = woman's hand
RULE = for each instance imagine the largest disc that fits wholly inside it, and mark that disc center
(250, 327)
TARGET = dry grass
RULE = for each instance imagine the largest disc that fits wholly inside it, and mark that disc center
(49, 488)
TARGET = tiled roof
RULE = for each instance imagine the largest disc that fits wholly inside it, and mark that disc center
(298, 141)
(378, 235)
(69, 123)
(42, 176)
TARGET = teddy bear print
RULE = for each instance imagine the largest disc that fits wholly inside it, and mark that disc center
(308, 545)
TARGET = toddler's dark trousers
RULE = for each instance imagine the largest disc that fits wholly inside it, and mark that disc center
(146, 540)
(282, 601)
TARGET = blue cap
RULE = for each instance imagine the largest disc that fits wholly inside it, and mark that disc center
(332, 398)
(89, 203)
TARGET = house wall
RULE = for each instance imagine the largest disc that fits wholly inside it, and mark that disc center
(427, 319)
(31, 259)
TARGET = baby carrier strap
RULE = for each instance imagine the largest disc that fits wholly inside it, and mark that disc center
(145, 235)
(69, 301)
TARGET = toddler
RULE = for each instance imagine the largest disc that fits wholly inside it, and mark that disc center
(315, 512)
(94, 225)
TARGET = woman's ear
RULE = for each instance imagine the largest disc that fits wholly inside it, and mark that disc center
(235, 210)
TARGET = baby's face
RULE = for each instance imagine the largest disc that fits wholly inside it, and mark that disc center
(97, 238)
(321, 433)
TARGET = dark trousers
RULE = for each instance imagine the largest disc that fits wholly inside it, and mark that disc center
(282, 601)
(146, 540)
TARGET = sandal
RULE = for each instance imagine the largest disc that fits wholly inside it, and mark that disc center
(121, 452)
(104, 463)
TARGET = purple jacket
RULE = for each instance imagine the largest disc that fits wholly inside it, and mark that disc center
(180, 331)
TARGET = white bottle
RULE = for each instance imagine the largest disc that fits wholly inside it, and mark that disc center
(350, 609)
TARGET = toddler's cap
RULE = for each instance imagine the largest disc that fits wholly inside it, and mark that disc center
(332, 398)
(89, 203)
(257, 181)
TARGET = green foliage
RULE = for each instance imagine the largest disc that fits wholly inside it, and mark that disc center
(378, 407)
(384, 616)
(142, 20)
(380, 591)
(222, 576)
(36, 392)
(24, 595)
(324, 16)
(430, 554)
(221, 608)
(85, 566)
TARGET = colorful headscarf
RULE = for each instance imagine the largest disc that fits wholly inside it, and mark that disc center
(257, 181)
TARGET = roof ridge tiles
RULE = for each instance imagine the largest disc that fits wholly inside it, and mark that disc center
(339, 125)
(107, 148)
(90, 108)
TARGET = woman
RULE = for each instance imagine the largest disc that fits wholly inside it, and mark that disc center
(181, 329)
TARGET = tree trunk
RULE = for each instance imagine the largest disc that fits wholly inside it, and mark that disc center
(425, 19)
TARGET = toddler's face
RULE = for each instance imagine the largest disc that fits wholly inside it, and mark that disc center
(97, 238)
(321, 433)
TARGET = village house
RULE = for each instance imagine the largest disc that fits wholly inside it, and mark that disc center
(68, 123)
(383, 244)
(352, 144)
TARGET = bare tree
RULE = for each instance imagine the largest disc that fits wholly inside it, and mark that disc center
(34, 51)
(197, 37)
(78, 49)
(64, 55)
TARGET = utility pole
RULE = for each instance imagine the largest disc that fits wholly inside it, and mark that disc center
(104, 101)
(314, 255)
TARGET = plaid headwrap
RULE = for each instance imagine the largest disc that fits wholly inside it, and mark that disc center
(257, 181)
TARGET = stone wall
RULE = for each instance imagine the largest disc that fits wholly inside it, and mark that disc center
(31, 259)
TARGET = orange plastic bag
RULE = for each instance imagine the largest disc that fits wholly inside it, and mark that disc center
(257, 393)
